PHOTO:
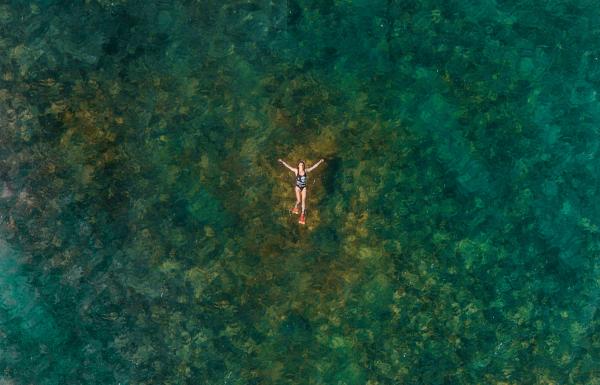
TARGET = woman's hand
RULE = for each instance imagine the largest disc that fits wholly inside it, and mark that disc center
(280, 160)
(322, 160)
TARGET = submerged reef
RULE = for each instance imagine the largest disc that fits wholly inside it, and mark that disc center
(452, 233)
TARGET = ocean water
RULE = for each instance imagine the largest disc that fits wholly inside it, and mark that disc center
(452, 233)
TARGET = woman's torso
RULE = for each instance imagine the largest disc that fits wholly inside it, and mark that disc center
(301, 179)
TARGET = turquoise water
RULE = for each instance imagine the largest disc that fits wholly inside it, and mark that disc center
(452, 233)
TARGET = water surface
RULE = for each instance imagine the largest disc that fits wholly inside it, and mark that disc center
(452, 232)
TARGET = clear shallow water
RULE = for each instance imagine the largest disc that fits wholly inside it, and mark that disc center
(452, 233)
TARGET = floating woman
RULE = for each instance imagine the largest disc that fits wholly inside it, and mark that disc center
(301, 185)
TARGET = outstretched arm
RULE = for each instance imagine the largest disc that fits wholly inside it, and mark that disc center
(315, 165)
(286, 165)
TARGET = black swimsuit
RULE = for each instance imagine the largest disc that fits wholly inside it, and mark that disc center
(301, 181)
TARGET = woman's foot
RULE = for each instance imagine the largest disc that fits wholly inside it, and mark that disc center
(301, 221)
(296, 210)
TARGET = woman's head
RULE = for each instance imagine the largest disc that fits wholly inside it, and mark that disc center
(300, 165)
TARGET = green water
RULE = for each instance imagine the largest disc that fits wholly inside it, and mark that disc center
(452, 234)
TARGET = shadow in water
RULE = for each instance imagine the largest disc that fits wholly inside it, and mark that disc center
(330, 173)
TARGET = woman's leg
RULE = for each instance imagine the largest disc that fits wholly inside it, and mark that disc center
(303, 199)
(298, 199)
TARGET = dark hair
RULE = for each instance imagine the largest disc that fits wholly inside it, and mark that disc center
(301, 161)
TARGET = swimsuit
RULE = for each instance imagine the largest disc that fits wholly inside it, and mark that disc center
(301, 181)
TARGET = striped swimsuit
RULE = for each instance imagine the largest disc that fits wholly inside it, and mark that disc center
(301, 180)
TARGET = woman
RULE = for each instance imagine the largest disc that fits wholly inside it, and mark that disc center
(301, 175)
